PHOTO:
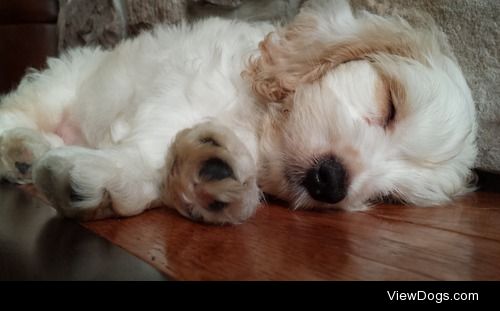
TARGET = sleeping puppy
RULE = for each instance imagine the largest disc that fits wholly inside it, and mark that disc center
(334, 110)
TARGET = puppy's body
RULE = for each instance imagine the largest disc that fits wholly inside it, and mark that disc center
(169, 117)
(131, 102)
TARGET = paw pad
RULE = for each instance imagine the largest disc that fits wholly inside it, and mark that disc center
(22, 167)
(217, 206)
(215, 169)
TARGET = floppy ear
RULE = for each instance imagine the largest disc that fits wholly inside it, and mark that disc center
(324, 35)
(275, 73)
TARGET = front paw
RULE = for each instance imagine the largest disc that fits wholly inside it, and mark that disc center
(211, 176)
(19, 149)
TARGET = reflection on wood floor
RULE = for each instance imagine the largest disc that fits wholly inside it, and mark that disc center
(38, 244)
(460, 241)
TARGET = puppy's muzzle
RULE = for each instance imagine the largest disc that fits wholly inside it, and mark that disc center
(326, 181)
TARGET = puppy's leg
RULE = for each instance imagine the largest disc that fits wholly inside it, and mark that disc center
(19, 148)
(93, 184)
(32, 114)
(210, 175)
(24, 137)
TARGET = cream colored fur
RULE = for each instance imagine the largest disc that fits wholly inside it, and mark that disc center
(114, 132)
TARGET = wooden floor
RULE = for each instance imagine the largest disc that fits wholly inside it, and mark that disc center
(456, 242)
(36, 244)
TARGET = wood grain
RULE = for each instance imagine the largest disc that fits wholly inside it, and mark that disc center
(460, 241)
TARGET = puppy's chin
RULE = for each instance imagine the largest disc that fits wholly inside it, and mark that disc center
(304, 201)
(296, 198)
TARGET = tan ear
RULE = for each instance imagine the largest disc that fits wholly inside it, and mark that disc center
(275, 73)
(306, 49)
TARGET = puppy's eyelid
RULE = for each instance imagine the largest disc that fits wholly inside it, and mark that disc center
(391, 114)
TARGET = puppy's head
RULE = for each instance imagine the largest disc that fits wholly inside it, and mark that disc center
(361, 107)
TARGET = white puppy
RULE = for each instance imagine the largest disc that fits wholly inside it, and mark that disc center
(333, 110)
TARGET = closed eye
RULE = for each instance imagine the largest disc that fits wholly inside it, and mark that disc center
(391, 112)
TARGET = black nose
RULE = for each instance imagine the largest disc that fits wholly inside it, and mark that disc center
(326, 181)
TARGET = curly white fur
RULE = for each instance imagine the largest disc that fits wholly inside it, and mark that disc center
(130, 128)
